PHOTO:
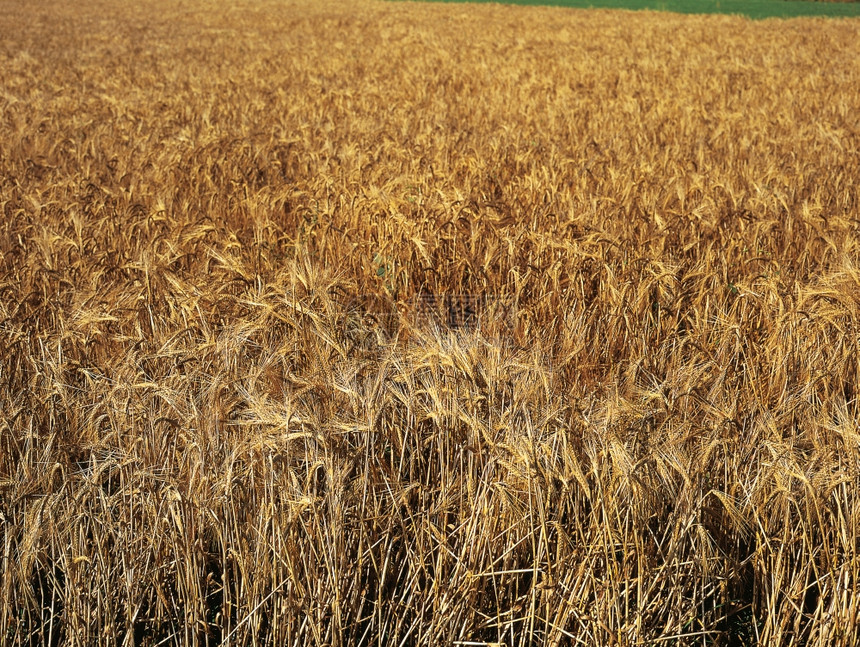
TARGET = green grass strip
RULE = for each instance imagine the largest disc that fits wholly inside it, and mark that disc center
(754, 9)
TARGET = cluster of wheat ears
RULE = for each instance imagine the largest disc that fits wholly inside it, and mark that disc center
(226, 416)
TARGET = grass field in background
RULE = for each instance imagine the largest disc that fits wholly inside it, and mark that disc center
(753, 9)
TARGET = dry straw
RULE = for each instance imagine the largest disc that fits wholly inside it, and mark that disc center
(206, 438)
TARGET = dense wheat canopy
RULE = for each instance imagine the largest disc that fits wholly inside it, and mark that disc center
(231, 413)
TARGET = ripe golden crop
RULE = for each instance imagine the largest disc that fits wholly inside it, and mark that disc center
(363, 323)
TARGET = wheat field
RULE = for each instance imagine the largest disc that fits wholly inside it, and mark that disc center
(370, 323)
